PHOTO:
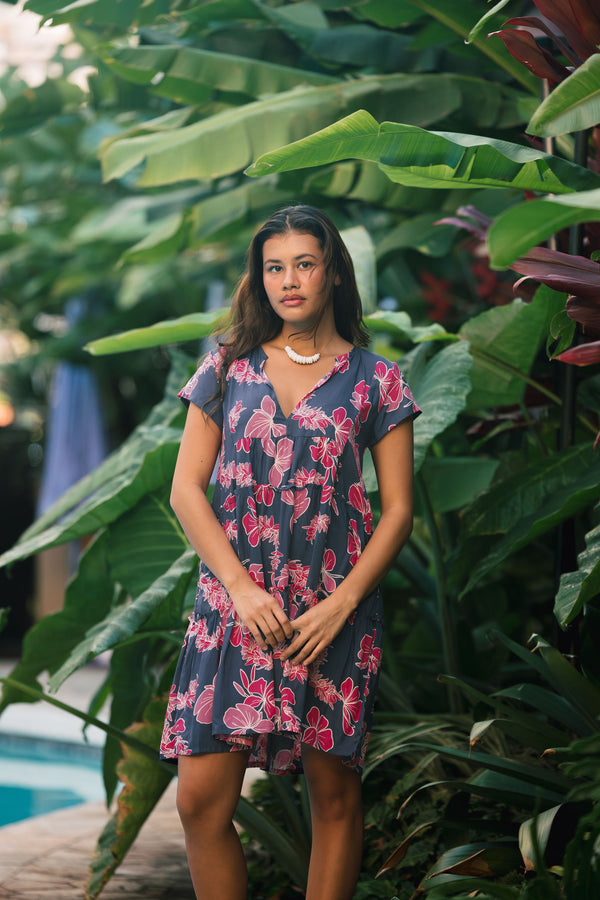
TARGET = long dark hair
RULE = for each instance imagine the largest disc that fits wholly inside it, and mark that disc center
(252, 319)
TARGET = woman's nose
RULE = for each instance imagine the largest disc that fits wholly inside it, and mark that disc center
(290, 280)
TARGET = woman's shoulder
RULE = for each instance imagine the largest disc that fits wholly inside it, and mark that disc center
(373, 363)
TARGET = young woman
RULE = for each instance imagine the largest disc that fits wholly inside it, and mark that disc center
(280, 661)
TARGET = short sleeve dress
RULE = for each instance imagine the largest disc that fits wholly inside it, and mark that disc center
(291, 498)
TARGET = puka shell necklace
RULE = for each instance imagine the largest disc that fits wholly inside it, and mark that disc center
(301, 360)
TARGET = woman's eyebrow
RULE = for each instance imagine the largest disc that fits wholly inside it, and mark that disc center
(300, 256)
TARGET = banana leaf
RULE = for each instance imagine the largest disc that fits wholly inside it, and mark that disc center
(413, 156)
(573, 105)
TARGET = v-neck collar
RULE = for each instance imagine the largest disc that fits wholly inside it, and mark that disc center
(337, 364)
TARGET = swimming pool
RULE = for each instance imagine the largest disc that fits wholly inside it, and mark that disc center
(39, 776)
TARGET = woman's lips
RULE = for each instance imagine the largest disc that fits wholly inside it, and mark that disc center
(292, 300)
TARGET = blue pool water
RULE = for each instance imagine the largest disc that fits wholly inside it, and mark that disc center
(38, 776)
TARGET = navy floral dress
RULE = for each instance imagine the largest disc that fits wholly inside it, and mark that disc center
(291, 498)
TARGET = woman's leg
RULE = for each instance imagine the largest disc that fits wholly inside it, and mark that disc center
(334, 791)
(208, 790)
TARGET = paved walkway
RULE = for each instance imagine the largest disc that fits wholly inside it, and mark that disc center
(48, 856)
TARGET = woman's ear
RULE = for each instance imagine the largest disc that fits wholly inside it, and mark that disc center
(337, 280)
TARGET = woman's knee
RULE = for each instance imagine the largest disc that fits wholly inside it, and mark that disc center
(209, 787)
(334, 789)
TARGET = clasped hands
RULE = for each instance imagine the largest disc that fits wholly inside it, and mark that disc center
(308, 635)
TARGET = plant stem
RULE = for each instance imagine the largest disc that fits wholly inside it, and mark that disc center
(448, 634)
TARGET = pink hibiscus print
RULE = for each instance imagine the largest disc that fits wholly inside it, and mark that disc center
(283, 460)
(317, 735)
(354, 545)
(360, 400)
(352, 705)
(343, 428)
(390, 381)
(261, 425)
(327, 574)
(369, 657)
(244, 718)
(204, 704)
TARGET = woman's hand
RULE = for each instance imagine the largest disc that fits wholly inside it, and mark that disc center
(315, 629)
(260, 612)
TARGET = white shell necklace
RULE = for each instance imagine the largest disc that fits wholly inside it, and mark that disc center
(301, 360)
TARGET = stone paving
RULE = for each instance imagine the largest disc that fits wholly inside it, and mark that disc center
(48, 856)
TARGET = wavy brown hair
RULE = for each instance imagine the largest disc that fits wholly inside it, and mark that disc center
(252, 319)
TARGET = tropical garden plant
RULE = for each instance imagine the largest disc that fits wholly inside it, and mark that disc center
(381, 114)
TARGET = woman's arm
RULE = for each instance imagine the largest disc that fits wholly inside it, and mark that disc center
(195, 463)
(393, 459)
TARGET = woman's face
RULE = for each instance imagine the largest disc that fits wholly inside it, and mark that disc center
(295, 278)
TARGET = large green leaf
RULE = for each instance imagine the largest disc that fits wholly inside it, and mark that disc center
(573, 105)
(412, 156)
(569, 483)
(88, 599)
(440, 387)
(516, 230)
(578, 588)
(519, 496)
(189, 75)
(144, 541)
(139, 466)
(289, 853)
(144, 784)
(453, 482)
(228, 141)
(504, 342)
(35, 106)
(144, 462)
(126, 620)
(171, 331)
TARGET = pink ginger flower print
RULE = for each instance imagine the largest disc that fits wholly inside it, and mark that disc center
(311, 417)
(231, 530)
(318, 524)
(325, 690)
(252, 654)
(293, 671)
(234, 415)
(352, 705)
(226, 474)
(317, 735)
(243, 474)
(298, 576)
(289, 719)
(243, 373)
(304, 477)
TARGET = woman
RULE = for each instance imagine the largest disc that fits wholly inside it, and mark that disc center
(280, 662)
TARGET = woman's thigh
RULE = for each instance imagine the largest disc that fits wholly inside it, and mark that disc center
(209, 785)
(334, 788)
